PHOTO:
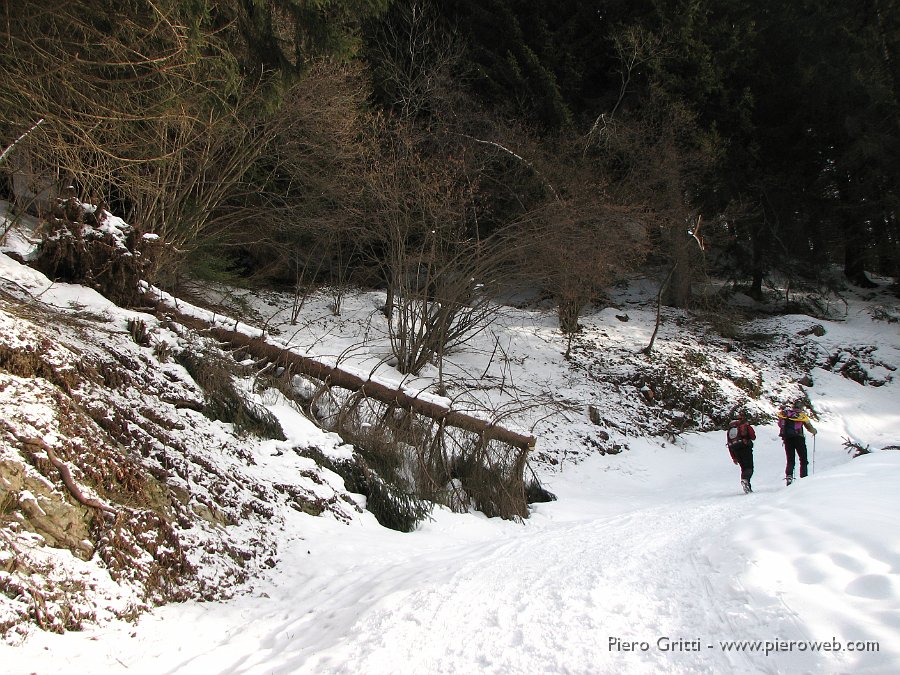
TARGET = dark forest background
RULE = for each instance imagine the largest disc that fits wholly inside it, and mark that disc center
(466, 147)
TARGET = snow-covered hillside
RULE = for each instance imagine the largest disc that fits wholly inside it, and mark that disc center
(650, 560)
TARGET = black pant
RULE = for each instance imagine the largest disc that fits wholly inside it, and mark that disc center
(744, 457)
(792, 445)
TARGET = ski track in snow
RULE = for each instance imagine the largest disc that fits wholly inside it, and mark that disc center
(549, 602)
(597, 571)
(546, 599)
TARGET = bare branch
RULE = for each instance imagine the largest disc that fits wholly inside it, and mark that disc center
(12, 145)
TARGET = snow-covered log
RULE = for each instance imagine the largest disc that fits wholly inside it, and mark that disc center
(336, 377)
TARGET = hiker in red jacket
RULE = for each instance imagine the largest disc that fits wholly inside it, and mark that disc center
(740, 444)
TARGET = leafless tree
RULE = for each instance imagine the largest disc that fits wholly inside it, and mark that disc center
(89, 75)
(141, 113)
(299, 221)
(441, 274)
(579, 235)
(413, 55)
(656, 150)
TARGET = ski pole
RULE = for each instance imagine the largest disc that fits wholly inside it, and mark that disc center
(814, 453)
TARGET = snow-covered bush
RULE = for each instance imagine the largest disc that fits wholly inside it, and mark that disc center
(86, 244)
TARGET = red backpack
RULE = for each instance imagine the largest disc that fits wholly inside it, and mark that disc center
(739, 435)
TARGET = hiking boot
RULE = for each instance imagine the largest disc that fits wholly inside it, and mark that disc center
(746, 485)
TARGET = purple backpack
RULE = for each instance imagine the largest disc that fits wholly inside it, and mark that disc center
(790, 428)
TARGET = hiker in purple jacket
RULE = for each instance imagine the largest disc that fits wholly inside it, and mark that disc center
(791, 422)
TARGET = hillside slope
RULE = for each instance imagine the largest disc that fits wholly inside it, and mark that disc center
(161, 502)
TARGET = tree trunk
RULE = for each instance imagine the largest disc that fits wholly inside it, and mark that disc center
(677, 292)
(855, 253)
(662, 287)
(333, 376)
(757, 244)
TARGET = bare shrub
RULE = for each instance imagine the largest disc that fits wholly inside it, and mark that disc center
(439, 463)
(441, 272)
(162, 350)
(405, 461)
(591, 245)
(581, 236)
(138, 331)
(130, 114)
(855, 448)
(223, 401)
(298, 223)
(412, 55)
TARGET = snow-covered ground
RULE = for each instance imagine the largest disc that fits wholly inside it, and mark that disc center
(651, 560)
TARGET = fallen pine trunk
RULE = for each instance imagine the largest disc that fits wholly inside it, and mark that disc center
(336, 377)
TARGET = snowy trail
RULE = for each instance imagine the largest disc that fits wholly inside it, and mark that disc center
(657, 546)
(562, 594)
(565, 601)
(552, 603)
(550, 600)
